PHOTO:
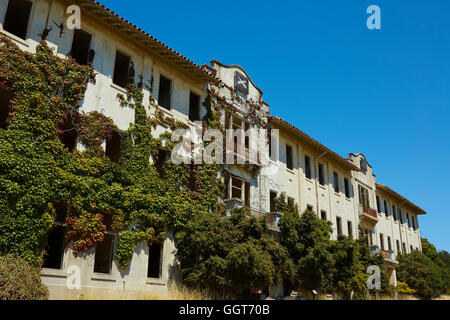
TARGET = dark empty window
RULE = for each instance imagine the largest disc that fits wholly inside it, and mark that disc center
(247, 194)
(68, 133)
(113, 146)
(404, 247)
(323, 215)
(321, 175)
(339, 226)
(154, 260)
(389, 243)
(363, 196)
(394, 212)
(121, 69)
(336, 182)
(307, 167)
(81, 45)
(310, 208)
(350, 229)
(194, 107)
(400, 215)
(347, 187)
(378, 204)
(17, 16)
(386, 209)
(165, 88)
(381, 241)
(104, 250)
(398, 245)
(289, 160)
(273, 195)
(54, 251)
(5, 99)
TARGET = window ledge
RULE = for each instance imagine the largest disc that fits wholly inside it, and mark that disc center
(290, 171)
(166, 111)
(58, 273)
(308, 179)
(103, 277)
(118, 88)
(347, 198)
(155, 281)
(15, 38)
(337, 194)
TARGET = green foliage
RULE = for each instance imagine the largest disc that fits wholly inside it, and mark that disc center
(20, 280)
(426, 272)
(37, 170)
(228, 254)
(402, 287)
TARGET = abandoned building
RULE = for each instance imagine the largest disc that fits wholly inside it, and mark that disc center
(341, 190)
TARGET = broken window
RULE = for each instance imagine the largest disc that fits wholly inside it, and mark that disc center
(54, 251)
(81, 45)
(307, 167)
(339, 226)
(17, 16)
(347, 187)
(104, 250)
(165, 91)
(247, 194)
(323, 215)
(321, 175)
(363, 196)
(386, 209)
(350, 229)
(226, 180)
(68, 131)
(113, 147)
(194, 107)
(336, 182)
(289, 160)
(272, 198)
(5, 99)
(154, 260)
(121, 69)
(309, 208)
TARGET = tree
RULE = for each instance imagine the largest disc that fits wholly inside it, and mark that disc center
(230, 254)
(307, 239)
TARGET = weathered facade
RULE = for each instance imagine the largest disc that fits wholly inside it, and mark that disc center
(341, 190)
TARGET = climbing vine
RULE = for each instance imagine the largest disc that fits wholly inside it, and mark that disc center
(141, 198)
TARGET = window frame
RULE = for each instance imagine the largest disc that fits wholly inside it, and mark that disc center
(162, 75)
(28, 27)
(289, 157)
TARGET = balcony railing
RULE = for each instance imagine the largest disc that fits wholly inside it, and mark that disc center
(388, 255)
(369, 211)
(369, 217)
(245, 156)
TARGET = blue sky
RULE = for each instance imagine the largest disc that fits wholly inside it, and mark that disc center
(385, 93)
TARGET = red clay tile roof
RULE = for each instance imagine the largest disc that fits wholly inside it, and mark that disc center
(343, 161)
(401, 198)
(120, 24)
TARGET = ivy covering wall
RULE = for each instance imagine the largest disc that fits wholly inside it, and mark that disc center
(37, 171)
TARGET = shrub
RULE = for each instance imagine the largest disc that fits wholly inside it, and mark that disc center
(402, 287)
(20, 280)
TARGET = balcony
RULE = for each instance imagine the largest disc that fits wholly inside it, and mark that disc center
(232, 203)
(249, 163)
(273, 221)
(368, 217)
(388, 255)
